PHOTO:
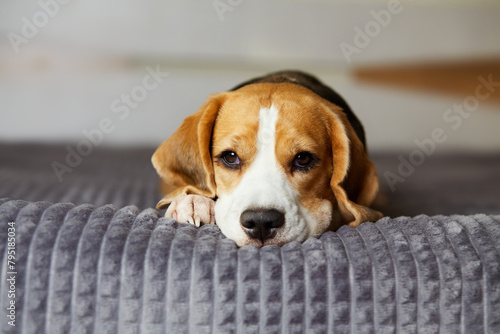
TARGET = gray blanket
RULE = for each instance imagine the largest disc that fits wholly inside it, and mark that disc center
(444, 184)
(117, 268)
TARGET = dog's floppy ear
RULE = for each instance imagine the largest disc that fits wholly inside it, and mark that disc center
(354, 180)
(183, 161)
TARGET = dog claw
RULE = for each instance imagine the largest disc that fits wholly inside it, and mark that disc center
(193, 209)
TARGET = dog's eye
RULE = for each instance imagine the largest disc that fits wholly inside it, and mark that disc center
(304, 161)
(229, 159)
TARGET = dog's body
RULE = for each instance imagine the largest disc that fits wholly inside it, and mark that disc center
(278, 158)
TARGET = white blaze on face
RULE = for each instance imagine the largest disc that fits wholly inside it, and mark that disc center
(263, 186)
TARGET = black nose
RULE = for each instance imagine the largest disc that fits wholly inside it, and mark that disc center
(262, 224)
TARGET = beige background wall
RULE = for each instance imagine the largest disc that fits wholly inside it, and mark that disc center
(84, 55)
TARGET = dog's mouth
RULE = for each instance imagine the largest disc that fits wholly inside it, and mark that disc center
(278, 240)
(270, 234)
(249, 241)
(261, 224)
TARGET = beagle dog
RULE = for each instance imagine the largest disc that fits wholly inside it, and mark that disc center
(278, 158)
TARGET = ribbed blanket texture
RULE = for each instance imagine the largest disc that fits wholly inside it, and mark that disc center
(82, 269)
(118, 266)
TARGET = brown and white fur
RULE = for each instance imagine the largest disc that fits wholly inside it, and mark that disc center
(277, 159)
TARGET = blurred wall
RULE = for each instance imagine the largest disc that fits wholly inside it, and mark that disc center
(135, 69)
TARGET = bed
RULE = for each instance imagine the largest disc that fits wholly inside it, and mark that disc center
(92, 255)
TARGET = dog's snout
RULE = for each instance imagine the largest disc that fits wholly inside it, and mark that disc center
(262, 224)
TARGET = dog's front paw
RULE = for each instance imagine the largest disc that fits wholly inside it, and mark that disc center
(193, 209)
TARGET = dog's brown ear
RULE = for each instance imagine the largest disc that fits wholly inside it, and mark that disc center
(183, 161)
(354, 180)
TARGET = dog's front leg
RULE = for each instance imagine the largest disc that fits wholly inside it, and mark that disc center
(193, 209)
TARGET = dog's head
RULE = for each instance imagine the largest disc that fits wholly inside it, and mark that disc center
(282, 163)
